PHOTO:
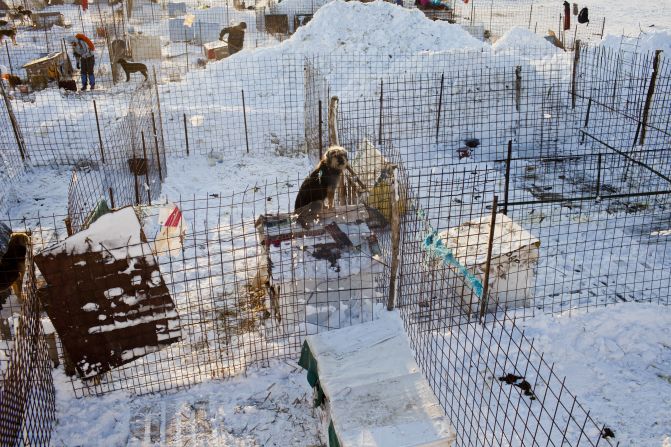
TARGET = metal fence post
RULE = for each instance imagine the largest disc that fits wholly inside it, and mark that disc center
(244, 115)
(100, 138)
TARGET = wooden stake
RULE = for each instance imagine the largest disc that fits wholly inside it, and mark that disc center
(333, 122)
(576, 59)
(395, 241)
(100, 137)
(648, 97)
(321, 123)
(507, 184)
(186, 135)
(518, 87)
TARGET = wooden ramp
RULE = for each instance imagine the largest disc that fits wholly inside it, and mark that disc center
(371, 389)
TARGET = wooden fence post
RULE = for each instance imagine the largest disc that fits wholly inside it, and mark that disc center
(395, 240)
(484, 299)
(576, 59)
(648, 97)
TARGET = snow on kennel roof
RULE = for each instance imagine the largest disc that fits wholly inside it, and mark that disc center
(118, 233)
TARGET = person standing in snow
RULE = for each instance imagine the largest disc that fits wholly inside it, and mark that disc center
(236, 37)
(85, 61)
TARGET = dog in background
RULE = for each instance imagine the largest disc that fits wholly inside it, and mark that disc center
(318, 190)
(13, 80)
(11, 33)
(20, 13)
(132, 67)
(13, 263)
(68, 84)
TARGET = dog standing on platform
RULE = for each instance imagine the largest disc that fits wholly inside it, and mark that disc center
(318, 190)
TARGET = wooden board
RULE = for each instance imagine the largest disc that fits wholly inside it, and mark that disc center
(108, 303)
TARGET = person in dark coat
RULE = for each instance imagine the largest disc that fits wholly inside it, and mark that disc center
(236, 37)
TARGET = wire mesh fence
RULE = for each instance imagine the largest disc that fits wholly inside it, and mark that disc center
(27, 395)
(245, 279)
(129, 167)
(177, 38)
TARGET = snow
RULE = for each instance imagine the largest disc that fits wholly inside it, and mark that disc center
(90, 307)
(647, 41)
(522, 38)
(269, 406)
(616, 359)
(116, 234)
(375, 392)
(349, 28)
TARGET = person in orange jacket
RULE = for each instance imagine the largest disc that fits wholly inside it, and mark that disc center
(85, 60)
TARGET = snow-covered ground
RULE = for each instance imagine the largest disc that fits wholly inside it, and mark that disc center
(616, 359)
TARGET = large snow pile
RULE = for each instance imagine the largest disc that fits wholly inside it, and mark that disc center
(355, 28)
(645, 42)
(617, 360)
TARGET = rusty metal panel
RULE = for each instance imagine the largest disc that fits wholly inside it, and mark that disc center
(105, 295)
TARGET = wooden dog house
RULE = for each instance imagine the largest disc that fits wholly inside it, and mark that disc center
(53, 67)
(277, 24)
(45, 20)
(216, 50)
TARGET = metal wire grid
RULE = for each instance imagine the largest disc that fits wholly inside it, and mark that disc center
(228, 320)
(254, 106)
(592, 253)
(11, 161)
(130, 166)
(499, 17)
(27, 395)
(34, 43)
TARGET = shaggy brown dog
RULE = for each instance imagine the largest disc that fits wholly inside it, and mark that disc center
(11, 33)
(68, 84)
(132, 67)
(13, 80)
(321, 184)
(13, 263)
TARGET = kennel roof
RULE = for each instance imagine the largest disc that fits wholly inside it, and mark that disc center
(468, 242)
(376, 393)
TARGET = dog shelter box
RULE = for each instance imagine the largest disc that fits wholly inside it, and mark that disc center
(45, 20)
(277, 24)
(515, 254)
(216, 50)
(370, 390)
(51, 67)
(144, 47)
(105, 295)
(205, 31)
(179, 32)
(176, 9)
(312, 271)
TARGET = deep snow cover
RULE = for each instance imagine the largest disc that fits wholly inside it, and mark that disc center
(616, 359)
